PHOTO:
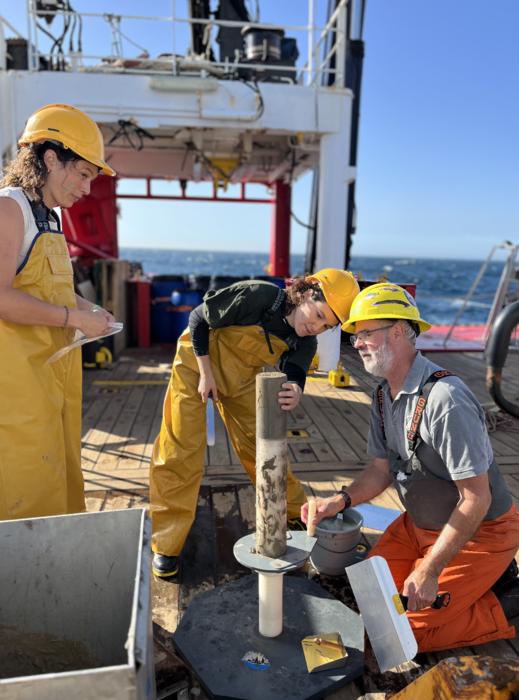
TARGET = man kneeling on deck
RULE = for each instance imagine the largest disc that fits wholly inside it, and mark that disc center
(427, 436)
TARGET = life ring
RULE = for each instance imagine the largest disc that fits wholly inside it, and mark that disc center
(496, 353)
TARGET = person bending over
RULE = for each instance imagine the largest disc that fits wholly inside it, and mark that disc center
(231, 336)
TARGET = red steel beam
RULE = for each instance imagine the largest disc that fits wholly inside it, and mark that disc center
(279, 261)
(184, 197)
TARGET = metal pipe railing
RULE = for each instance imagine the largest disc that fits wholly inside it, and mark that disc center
(506, 275)
(309, 71)
(8, 24)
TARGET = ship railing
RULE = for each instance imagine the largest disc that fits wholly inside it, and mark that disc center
(65, 51)
(502, 296)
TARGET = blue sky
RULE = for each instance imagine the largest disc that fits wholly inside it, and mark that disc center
(438, 161)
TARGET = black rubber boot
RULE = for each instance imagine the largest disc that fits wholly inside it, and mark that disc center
(165, 567)
(508, 596)
(506, 578)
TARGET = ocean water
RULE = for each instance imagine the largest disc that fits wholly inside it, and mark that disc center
(441, 284)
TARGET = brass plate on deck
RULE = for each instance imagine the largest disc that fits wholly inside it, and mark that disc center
(297, 433)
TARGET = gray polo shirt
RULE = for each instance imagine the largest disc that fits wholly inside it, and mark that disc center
(453, 426)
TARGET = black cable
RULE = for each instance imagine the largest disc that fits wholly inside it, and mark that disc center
(70, 20)
(301, 223)
(56, 49)
(253, 85)
(51, 36)
(71, 35)
(129, 131)
(80, 35)
(58, 42)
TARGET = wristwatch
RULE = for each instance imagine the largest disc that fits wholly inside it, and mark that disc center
(346, 496)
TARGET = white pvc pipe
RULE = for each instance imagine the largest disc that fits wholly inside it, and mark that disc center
(270, 593)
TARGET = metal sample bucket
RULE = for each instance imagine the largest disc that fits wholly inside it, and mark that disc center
(75, 607)
(337, 543)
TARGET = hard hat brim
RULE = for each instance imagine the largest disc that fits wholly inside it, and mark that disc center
(349, 325)
(101, 164)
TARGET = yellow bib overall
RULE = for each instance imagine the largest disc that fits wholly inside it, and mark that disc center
(237, 354)
(40, 407)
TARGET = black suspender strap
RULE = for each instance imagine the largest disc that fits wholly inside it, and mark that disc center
(412, 433)
(267, 315)
(46, 219)
(380, 401)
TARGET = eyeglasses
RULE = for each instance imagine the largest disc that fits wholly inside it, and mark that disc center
(363, 336)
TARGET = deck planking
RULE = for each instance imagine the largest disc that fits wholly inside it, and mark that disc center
(122, 414)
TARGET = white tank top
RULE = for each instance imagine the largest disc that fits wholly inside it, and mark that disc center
(30, 228)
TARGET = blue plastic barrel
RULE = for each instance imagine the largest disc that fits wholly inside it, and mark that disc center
(182, 303)
(200, 282)
(222, 281)
(163, 322)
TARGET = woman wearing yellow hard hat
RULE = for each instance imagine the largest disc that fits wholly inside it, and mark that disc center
(235, 332)
(61, 152)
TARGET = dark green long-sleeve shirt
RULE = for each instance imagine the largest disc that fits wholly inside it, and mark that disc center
(251, 303)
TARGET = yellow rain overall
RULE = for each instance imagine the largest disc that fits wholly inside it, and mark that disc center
(237, 354)
(40, 410)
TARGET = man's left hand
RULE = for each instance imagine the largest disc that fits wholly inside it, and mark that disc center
(421, 588)
(289, 396)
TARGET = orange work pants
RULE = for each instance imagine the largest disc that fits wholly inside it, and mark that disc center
(474, 615)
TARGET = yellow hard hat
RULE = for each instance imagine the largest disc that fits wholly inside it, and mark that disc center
(384, 300)
(72, 128)
(339, 289)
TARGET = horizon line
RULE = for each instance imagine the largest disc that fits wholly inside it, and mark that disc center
(394, 257)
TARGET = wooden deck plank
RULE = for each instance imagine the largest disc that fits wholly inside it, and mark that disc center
(299, 418)
(323, 451)
(132, 452)
(155, 425)
(121, 430)
(302, 452)
(512, 482)
(337, 442)
(98, 435)
(95, 503)
(350, 426)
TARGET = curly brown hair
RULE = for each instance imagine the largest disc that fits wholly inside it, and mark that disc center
(296, 291)
(28, 170)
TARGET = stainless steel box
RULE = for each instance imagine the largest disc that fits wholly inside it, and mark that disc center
(77, 582)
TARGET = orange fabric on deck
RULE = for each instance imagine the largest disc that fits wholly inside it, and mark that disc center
(474, 615)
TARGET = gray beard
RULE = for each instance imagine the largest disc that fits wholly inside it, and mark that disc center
(380, 361)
